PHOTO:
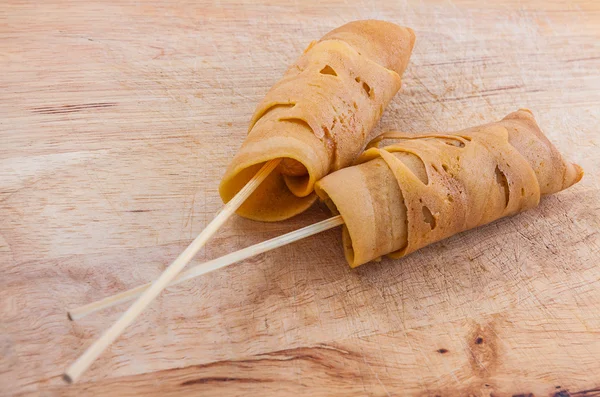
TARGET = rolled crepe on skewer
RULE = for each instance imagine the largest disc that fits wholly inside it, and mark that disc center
(319, 117)
(424, 188)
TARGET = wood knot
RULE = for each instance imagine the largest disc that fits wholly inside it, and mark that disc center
(483, 349)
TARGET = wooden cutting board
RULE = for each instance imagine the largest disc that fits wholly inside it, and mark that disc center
(117, 120)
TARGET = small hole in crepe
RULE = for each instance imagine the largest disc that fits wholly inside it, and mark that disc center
(365, 86)
(415, 164)
(503, 185)
(278, 106)
(445, 167)
(328, 70)
(428, 217)
(297, 121)
(274, 107)
(450, 198)
(454, 142)
(522, 191)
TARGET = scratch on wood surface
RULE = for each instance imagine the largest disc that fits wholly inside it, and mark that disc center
(60, 109)
(217, 379)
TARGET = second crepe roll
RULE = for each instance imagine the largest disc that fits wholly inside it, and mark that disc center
(425, 188)
(320, 116)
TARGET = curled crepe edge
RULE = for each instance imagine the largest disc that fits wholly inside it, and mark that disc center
(377, 42)
(347, 244)
(573, 173)
(280, 196)
(358, 231)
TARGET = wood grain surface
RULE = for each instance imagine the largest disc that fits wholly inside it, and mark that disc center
(117, 120)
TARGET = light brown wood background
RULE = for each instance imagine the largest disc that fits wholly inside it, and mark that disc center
(117, 120)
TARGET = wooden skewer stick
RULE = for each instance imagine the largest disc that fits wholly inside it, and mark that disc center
(76, 369)
(209, 266)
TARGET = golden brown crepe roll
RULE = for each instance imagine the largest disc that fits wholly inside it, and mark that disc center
(319, 117)
(425, 188)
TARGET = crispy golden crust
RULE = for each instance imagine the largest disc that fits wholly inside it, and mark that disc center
(320, 114)
(425, 188)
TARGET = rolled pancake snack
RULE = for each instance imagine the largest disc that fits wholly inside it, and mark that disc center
(319, 117)
(424, 188)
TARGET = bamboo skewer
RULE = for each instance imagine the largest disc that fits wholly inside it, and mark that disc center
(76, 369)
(209, 266)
